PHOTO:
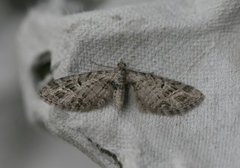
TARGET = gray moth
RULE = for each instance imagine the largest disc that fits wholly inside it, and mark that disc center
(93, 90)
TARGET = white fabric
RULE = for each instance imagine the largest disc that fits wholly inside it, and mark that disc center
(196, 42)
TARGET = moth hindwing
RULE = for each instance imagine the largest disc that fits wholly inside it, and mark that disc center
(94, 90)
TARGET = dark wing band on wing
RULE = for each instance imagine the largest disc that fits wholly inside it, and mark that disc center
(162, 95)
(82, 92)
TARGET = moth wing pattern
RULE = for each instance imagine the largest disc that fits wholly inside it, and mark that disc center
(162, 95)
(82, 92)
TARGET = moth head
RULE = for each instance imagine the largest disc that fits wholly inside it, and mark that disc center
(121, 65)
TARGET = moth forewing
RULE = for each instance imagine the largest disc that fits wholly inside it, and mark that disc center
(162, 95)
(83, 92)
(94, 90)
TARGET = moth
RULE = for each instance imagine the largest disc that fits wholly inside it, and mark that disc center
(93, 90)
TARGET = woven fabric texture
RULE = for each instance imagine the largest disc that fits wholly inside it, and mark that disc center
(195, 42)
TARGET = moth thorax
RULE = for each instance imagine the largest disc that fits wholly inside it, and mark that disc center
(121, 65)
(121, 77)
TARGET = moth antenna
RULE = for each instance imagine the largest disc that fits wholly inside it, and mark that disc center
(101, 65)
